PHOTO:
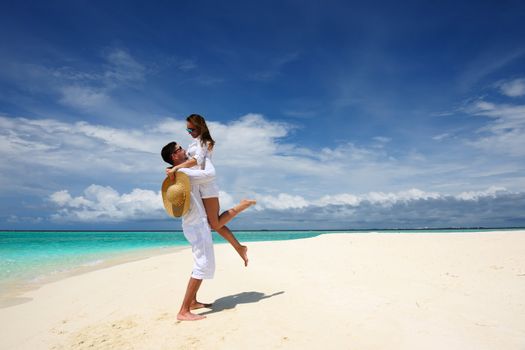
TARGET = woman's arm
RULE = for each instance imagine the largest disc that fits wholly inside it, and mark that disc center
(170, 172)
(198, 174)
(187, 164)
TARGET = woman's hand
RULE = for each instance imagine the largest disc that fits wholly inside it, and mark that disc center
(170, 172)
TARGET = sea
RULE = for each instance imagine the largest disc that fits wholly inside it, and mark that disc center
(30, 258)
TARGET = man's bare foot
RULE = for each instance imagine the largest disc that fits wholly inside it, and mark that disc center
(198, 305)
(243, 205)
(188, 316)
(243, 252)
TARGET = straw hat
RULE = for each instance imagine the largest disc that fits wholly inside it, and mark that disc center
(176, 194)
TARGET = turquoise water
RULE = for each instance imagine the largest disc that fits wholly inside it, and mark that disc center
(28, 256)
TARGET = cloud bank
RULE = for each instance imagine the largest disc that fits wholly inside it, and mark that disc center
(406, 209)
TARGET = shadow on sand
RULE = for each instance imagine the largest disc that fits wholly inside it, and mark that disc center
(231, 301)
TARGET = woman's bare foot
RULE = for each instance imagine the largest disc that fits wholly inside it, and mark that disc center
(243, 252)
(243, 205)
(198, 305)
(188, 316)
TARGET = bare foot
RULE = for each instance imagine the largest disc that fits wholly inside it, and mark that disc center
(198, 305)
(243, 205)
(243, 252)
(188, 316)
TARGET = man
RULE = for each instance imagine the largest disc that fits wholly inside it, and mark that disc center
(196, 230)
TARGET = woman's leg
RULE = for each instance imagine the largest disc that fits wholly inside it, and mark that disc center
(242, 250)
(212, 210)
(229, 214)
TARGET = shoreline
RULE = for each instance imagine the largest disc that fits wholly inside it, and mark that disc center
(481, 228)
(13, 290)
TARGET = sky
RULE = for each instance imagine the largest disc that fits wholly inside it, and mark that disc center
(332, 114)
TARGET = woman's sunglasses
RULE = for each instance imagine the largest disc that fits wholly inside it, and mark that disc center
(190, 130)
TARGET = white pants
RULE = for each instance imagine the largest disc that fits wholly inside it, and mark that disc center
(199, 236)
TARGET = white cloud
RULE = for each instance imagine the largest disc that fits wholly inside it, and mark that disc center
(226, 201)
(513, 88)
(82, 96)
(92, 91)
(186, 65)
(78, 148)
(486, 64)
(135, 140)
(282, 201)
(61, 197)
(350, 152)
(104, 204)
(88, 89)
(66, 73)
(402, 196)
(504, 133)
(441, 136)
(286, 201)
(249, 141)
(122, 68)
(491, 192)
(382, 139)
(339, 199)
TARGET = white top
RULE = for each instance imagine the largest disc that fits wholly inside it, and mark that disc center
(196, 213)
(199, 152)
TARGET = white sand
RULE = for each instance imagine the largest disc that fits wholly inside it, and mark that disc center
(338, 291)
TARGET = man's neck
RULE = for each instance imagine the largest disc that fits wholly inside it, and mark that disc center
(182, 161)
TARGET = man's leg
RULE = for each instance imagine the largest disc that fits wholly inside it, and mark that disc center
(191, 295)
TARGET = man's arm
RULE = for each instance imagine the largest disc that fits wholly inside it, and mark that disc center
(201, 154)
(198, 174)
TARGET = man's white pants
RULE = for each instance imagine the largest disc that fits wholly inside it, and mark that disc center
(199, 236)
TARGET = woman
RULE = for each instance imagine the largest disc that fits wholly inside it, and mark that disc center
(198, 152)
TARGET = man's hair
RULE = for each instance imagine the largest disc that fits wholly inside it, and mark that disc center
(167, 151)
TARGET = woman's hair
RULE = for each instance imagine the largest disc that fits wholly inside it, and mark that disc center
(200, 124)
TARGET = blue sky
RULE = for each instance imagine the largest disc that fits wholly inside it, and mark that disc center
(332, 114)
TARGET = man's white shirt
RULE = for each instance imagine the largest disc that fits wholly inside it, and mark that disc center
(196, 214)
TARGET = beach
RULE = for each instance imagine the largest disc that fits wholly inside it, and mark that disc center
(336, 291)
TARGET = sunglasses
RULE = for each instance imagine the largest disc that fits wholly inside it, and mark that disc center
(190, 130)
(179, 148)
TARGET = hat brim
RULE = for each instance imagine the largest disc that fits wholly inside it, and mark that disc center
(173, 210)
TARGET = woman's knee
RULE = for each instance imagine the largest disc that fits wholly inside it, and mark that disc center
(214, 224)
